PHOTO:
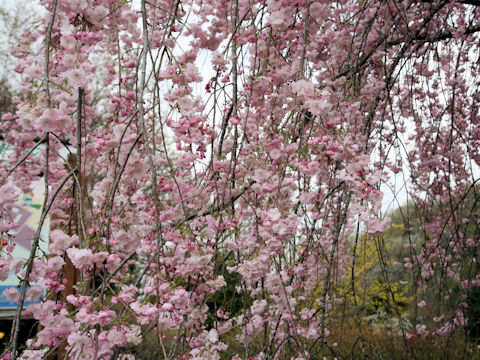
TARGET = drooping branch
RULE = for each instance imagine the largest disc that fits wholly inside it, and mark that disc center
(47, 51)
(432, 38)
(79, 176)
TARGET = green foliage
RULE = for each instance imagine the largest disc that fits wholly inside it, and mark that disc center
(227, 298)
(473, 314)
(372, 292)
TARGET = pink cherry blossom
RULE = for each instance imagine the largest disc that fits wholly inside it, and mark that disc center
(81, 258)
(231, 178)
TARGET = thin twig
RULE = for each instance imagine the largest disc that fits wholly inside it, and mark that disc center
(41, 141)
(79, 193)
(47, 52)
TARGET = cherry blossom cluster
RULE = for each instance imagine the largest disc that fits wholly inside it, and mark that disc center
(210, 165)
